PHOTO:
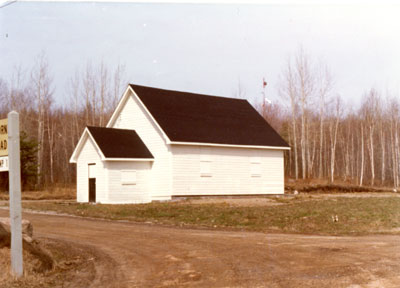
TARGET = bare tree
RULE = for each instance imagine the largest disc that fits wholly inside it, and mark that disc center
(51, 131)
(288, 91)
(362, 156)
(119, 83)
(42, 82)
(333, 129)
(3, 97)
(74, 97)
(240, 92)
(382, 138)
(369, 109)
(305, 82)
(324, 81)
(394, 140)
(103, 84)
(89, 94)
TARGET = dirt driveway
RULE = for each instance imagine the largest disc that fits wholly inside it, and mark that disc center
(140, 255)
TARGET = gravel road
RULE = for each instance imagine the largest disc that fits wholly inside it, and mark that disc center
(144, 255)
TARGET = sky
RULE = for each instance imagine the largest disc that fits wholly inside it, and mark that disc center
(206, 48)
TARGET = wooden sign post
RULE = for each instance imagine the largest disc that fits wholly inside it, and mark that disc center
(15, 193)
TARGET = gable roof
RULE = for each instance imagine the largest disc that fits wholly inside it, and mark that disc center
(114, 144)
(195, 118)
(119, 143)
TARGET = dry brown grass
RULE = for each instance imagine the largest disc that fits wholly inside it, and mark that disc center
(73, 267)
(232, 201)
(30, 278)
(319, 187)
(56, 193)
(304, 214)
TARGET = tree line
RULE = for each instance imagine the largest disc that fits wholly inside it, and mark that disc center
(92, 94)
(329, 140)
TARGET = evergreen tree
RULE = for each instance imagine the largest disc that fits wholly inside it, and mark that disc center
(29, 164)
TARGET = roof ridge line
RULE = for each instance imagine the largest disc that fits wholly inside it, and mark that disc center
(186, 92)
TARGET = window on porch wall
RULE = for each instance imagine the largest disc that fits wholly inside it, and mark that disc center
(128, 177)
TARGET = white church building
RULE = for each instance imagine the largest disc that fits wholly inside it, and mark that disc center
(161, 144)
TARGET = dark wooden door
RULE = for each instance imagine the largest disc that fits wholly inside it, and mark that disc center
(92, 190)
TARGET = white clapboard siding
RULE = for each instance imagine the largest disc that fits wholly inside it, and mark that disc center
(88, 155)
(137, 191)
(230, 171)
(133, 116)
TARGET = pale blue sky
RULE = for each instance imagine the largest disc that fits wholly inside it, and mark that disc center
(206, 48)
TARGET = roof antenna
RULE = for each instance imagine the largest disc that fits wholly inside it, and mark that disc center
(265, 99)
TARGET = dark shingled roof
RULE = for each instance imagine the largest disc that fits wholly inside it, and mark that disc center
(189, 117)
(119, 143)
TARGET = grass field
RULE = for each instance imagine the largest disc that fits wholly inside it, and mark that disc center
(57, 193)
(301, 214)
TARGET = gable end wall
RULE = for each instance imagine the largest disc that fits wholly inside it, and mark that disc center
(133, 116)
(89, 154)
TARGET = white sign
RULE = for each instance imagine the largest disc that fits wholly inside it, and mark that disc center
(3, 163)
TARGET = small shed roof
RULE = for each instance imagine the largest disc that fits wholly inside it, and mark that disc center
(119, 143)
(114, 145)
(195, 118)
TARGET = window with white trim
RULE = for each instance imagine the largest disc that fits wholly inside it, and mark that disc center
(128, 177)
(255, 167)
(205, 165)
